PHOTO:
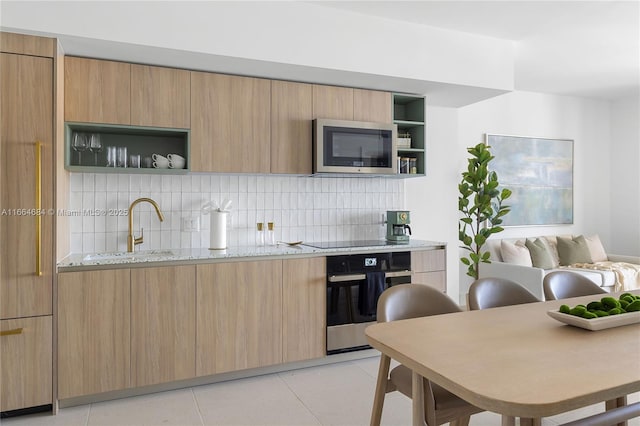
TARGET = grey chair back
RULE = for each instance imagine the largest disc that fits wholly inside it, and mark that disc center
(563, 284)
(406, 301)
(489, 292)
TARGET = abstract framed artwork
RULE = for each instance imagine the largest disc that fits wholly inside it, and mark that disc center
(539, 172)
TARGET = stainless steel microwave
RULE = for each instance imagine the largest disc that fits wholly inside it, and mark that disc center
(341, 146)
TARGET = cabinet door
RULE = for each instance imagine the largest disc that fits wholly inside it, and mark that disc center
(163, 324)
(93, 332)
(332, 102)
(291, 115)
(26, 236)
(304, 309)
(25, 357)
(239, 316)
(372, 105)
(97, 91)
(27, 45)
(160, 97)
(429, 267)
(230, 123)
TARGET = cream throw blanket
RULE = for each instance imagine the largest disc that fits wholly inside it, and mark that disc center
(627, 274)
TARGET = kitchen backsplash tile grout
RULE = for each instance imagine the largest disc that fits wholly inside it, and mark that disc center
(302, 208)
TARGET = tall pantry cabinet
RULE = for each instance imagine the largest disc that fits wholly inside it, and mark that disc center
(26, 220)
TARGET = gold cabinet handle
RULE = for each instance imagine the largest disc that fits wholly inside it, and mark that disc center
(10, 332)
(38, 208)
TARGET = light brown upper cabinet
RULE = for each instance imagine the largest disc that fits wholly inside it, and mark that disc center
(332, 102)
(26, 154)
(97, 91)
(344, 103)
(291, 115)
(160, 97)
(372, 105)
(230, 123)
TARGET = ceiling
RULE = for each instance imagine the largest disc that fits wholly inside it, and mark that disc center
(578, 48)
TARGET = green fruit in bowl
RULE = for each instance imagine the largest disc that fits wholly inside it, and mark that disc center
(578, 310)
(604, 307)
(633, 307)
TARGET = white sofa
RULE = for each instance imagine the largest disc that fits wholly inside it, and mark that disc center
(531, 277)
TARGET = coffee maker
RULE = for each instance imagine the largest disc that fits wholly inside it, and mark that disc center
(398, 229)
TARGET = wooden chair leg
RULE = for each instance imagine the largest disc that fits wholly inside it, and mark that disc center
(508, 420)
(381, 389)
(616, 403)
(530, 422)
(462, 421)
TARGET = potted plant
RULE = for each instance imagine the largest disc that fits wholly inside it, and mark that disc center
(480, 202)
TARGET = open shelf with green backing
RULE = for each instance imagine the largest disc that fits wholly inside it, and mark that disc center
(143, 141)
(409, 116)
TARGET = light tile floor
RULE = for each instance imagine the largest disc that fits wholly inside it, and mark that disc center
(338, 394)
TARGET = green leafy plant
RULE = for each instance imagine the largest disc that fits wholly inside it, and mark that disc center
(480, 202)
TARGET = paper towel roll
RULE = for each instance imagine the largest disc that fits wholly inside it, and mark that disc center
(218, 240)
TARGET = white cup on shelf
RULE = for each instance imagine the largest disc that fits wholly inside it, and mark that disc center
(160, 162)
(176, 161)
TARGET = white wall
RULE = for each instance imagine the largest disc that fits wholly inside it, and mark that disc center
(433, 199)
(297, 33)
(625, 177)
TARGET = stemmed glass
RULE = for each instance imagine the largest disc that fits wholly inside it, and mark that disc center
(79, 144)
(95, 145)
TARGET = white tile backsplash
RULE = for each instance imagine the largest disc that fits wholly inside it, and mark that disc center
(302, 208)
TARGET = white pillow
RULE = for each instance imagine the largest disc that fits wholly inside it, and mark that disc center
(517, 253)
(596, 248)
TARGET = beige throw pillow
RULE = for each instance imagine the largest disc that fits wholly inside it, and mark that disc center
(598, 254)
(573, 250)
(516, 253)
(540, 253)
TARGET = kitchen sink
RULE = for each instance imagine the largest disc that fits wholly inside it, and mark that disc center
(141, 255)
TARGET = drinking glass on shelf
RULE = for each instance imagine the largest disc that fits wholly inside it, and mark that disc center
(95, 145)
(79, 144)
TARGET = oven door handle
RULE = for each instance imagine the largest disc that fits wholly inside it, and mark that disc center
(357, 277)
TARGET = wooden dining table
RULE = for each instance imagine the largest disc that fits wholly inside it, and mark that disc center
(516, 360)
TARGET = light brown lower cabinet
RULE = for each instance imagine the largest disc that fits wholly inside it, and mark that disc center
(239, 316)
(163, 324)
(25, 355)
(93, 332)
(123, 328)
(429, 267)
(304, 292)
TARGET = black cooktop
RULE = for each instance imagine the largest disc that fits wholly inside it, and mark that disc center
(346, 244)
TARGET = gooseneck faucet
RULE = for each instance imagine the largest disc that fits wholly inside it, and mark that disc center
(131, 240)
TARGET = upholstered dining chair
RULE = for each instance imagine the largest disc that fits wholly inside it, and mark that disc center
(491, 292)
(562, 284)
(406, 301)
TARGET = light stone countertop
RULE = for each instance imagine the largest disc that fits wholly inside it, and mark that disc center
(168, 257)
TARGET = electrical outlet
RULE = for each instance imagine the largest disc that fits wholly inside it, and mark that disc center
(191, 224)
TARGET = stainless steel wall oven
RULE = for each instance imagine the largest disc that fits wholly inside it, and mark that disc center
(354, 283)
